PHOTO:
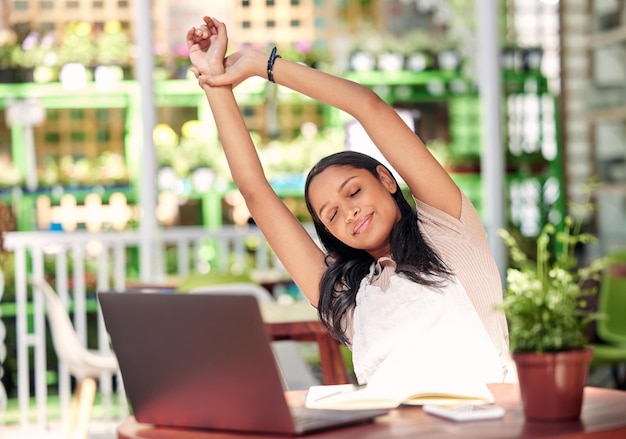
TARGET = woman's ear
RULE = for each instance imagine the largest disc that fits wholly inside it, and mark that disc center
(385, 177)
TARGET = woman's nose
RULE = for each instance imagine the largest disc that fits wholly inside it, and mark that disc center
(353, 211)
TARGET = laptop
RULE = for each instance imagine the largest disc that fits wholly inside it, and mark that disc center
(205, 361)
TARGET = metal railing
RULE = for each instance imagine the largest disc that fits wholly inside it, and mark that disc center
(80, 263)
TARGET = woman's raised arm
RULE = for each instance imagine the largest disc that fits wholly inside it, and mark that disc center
(300, 255)
(404, 150)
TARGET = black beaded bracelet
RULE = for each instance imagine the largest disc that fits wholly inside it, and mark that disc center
(270, 65)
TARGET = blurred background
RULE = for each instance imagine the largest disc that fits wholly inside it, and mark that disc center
(73, 146)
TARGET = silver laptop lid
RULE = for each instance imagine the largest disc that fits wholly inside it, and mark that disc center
(200, 361)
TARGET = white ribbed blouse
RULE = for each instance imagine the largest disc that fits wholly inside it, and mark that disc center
(462, 244)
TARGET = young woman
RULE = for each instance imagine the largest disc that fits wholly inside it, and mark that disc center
(403, 289)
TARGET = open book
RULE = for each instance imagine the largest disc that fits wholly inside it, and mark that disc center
(349, 396)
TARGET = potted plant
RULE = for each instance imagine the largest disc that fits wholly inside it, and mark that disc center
(76, 55)
(392, 56)
(365, 48)
(77, 44)
(48, 69)
(113, 49)
(545, 306)
(511, 57)
(34, 52)
(181, 62)
(314, 55)
(8, 49)
(449, 57)
(418, 48)
(113, 46)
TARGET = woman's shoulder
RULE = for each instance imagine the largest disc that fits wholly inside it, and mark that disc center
(469, 218)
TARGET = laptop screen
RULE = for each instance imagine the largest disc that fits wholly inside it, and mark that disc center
(205, 361)
(196, 360)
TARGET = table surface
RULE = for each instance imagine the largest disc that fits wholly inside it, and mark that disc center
(603, 416)
(301, 311)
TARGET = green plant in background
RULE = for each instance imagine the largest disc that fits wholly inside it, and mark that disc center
(165, 143)
(107, 168)
(35, 51)
(110, 168)
(180, 61)
(545, 302)
(8, 48)
(76, 171)
(453, 161)
(10, 176)
(160, 52)
(440, 149)
(298, 155)
(312, 54)
(77, 44)
(190, 150)
(414, 41)
(48, 172)
(369, 40)
(526, 163)
(113, 46)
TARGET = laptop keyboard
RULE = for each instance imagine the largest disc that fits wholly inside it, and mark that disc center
(307, 419)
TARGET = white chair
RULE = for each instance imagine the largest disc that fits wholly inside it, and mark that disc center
(84, 364)
(296, 373)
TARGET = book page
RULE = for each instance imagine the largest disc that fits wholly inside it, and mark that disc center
(349, 397)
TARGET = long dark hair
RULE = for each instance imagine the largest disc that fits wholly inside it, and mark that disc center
(347, 266)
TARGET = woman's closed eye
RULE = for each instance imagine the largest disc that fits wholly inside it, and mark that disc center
(351, 194)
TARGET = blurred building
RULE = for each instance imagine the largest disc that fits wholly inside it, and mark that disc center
(581, 42)
(250, 21)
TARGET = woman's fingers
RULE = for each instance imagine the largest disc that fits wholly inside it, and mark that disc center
(218, 25)
(191, 36)
(207, 43)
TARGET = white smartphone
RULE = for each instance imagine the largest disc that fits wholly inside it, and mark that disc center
(466, 412)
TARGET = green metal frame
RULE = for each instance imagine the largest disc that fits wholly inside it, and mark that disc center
(125, 95)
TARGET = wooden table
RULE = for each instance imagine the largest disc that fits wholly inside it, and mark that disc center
(603, 417)
(300, 322)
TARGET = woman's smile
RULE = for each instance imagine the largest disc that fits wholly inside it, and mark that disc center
(362, 224)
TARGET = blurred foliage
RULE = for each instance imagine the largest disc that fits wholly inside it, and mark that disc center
(108, 168)
(192, 149)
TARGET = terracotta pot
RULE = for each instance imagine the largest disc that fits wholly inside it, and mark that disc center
(552, 384)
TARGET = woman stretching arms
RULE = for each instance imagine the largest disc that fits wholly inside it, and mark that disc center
(407, 291)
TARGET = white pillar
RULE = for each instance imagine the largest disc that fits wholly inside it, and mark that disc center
(492, 157)
(144, 68)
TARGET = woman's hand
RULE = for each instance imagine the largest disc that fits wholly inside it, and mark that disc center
(207, 47)
(238, 67)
